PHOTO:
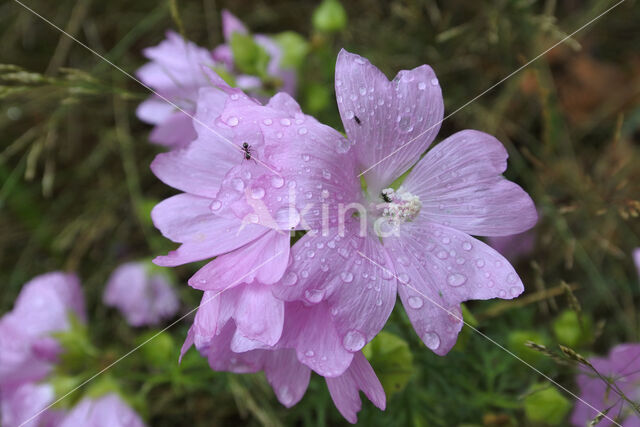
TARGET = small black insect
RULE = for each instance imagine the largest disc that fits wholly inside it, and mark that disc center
(357, 119)
(385, 197)
(246, 148)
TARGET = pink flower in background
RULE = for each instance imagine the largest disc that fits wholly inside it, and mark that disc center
(27, 348)
(143, 296)
(421, 230)
(515, 246)
(107, 411)
(28, 351)
(622, 366)
(178, 68)
(19, 404)
(636, 259)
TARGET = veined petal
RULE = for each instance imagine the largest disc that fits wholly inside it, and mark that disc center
(188, 220)
(231, 24)
(391, 120)
(438, 268)
(265, 258)
(288, 377)
(345, 389)
(259, 315)
(460, 184)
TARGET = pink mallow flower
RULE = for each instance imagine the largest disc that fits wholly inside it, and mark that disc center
(622, 366)
(178, 68)
(419, 232)
(143, 296)
(18, 405)
(289, 378)
(515, 246)
(636, 259)
(27, 348)
(107, 411)
(241, 210)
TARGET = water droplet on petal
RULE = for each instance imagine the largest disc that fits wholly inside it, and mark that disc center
(215, 205)
(515, 291)
(404, 278)
(237, 184)
(285, 122)
(431, 340)
(404, 124)
(363, 91)
(267, 122)
(480, 263)
(456, 279)
(314, 296)
(257, 193)
(353, 340)
(277, 182)
(346, 276)
(309, 353)
(302, 131)
(511, 278)
(232, 121)
(285, 396)
(466, 246)
(422, 85)
(290, 278)
(434, 81)
(415, 302)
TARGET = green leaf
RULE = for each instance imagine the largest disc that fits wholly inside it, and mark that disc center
(248, 56)
(392, 360)
(225, 75)
(160, 350)
(329, 17)
(545, 404)
(516, 343)
(294, 49)
(568, 330)
(77, 350)
(317, 98)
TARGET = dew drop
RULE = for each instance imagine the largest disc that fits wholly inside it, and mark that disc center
(404, 124)
(515, 291)
(456, 279)
(480, 263)
(302, 131)
(309, 353)
(232, 121)
(353, 340)
(277, 182)
(285, 122)
(434, 81)
(422, 86)
(314, 296)
(285, 396)
(511, 278)
(215, 205)
(290, 278)
(466, 246)
(363, 91)
(346, 277)
(267, 122)
(257, 193)
(442, 254)
(415, 302)
(404, 278)
(431, 340)
(349, 115)
(237, 184)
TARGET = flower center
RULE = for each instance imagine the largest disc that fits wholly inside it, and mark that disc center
(399, 207)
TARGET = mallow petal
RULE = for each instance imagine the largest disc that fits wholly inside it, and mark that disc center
(231, 24)
(335, 270)
(345, 389)
(259, 315)
(264, 259)
(107, 411)
(188, 220)
(398, 118)
(460, 184)
(175, 131)
(438, 268)
(311, 332)
(288, 377)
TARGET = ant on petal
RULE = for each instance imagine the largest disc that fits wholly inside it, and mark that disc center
(246, 148)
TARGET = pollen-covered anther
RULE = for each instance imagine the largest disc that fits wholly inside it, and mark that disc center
(401, 207)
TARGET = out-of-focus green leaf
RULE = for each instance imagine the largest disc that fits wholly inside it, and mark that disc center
(248, 56)
(294, 49)
(77, 349)
(392, 360)
(568, 330)
(317, 98)
(160, 350)
(329, 17)
(225, 75)
(545, 404)
(516, 343)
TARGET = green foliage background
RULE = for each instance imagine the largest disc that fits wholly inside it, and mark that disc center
(76, 191)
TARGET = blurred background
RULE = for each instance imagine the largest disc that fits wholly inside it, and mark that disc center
(76, 190)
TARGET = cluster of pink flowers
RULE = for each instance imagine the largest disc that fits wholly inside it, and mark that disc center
(256, 171)
(29, 352)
